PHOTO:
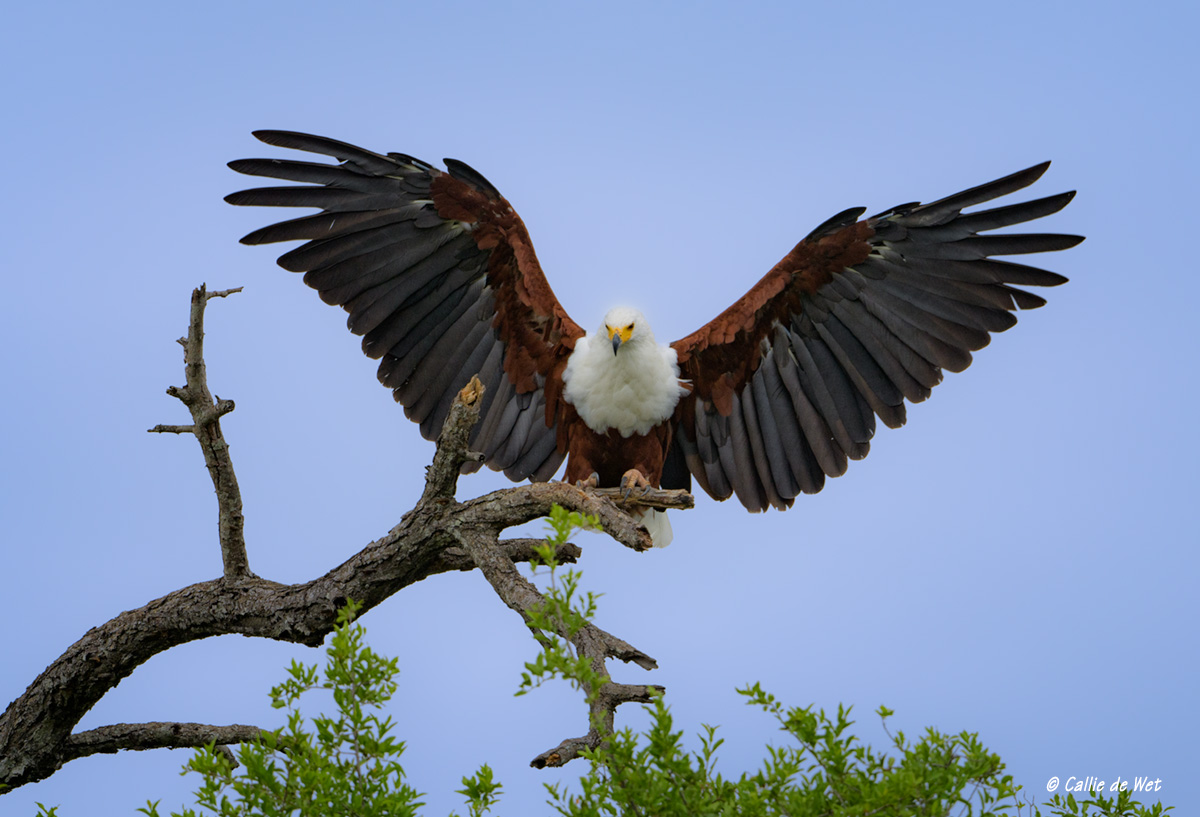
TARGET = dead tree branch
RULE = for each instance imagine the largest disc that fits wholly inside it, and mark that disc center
(206, 425)
(438, 535)
(654, 498)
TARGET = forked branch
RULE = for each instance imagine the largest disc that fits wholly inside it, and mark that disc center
(438, 535)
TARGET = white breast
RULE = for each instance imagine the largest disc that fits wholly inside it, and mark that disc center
(631, 391)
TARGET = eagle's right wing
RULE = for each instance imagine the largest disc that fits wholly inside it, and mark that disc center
(440, 279)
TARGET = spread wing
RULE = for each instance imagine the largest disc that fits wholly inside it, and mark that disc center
(441, 281)
(859, 316)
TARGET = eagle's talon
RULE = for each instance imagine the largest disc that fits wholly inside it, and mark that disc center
(593, 481)
(632, 479)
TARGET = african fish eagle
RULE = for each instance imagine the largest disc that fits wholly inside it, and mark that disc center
(439, 276)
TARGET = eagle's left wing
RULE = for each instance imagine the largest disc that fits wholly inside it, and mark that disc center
(860, 315)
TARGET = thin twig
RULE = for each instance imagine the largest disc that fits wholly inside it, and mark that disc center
(161, 429)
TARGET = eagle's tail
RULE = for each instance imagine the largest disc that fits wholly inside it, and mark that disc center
(659, 526)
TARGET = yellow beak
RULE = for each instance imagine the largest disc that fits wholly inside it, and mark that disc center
(619, 336)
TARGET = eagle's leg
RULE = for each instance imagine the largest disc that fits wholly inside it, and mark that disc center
(633, 478)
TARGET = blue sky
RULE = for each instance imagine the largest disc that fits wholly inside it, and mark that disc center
(1019, 560)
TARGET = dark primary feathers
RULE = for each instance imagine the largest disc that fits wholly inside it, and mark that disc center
(440, 279)
(859, 316)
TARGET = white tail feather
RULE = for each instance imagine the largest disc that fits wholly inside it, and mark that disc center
(659, 526)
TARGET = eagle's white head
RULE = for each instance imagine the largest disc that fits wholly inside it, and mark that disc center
(619, 377)
(624, 324)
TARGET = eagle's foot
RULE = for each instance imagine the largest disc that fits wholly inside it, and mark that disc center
(632, 479)
(593, 481)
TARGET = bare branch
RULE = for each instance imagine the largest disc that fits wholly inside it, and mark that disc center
(520, 595)
(603, 712)
(497, 510)
(206, 413)
(653, 498)
(518, 550)
(590, 642)
(222, 293)
(141, 736)
(441, 478)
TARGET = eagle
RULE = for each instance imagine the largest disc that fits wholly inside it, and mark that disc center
(778, 392)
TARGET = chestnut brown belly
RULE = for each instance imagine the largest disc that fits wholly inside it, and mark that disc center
(610, 455)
